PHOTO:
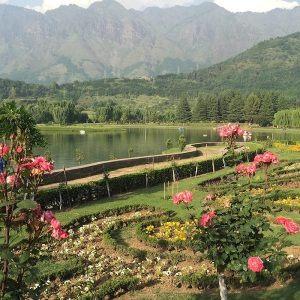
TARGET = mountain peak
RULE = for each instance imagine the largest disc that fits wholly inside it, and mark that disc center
(107, 4)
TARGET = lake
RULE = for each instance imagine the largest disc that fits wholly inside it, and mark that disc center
(106, 145)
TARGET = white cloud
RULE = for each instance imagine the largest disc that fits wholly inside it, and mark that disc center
(136, 4)
(231, 5)
(3, 1)
(255, 5)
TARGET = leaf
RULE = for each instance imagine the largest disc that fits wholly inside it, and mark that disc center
(6, 254)
(27, 204)
(24, 257)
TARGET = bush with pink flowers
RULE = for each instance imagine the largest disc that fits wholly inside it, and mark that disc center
(230, 133)
(20, 178)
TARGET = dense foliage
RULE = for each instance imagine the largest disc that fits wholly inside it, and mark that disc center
(287, 118)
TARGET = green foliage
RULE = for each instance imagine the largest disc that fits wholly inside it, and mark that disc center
(287, 118)
(110, 287)
(182, 142)
(16, 120)
(169, 143)
(184, 113)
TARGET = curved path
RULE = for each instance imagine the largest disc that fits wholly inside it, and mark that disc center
(207, 152)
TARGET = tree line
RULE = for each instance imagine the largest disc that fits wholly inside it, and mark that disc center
(232, 106)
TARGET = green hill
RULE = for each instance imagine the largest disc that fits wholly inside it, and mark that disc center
(271, 65)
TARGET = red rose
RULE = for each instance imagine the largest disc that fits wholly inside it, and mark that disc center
(207, 219)
(282, 220)
(255, 264)
(291, 227)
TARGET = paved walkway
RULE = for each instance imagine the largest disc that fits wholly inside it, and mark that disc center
(208, 152)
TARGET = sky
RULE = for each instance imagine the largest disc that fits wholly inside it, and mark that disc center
(231, 5)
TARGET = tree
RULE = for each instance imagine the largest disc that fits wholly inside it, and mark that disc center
(266, 111)
(200, 112)
(251, 108)
(17, 121)
(235, 107)
(184, 113)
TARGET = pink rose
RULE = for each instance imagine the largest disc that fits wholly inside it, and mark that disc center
(282, 220)
(185, 197)
(2, 178)
(255, 264)
(4, 149)
(207, 219)
(55, 224)
(11, 179)
(210, 197)
(240, 169)
(291, 227)
(59, 234)
(47, 216)
(19, 149)
(177, 198)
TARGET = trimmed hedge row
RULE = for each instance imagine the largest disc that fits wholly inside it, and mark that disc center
(68, 196)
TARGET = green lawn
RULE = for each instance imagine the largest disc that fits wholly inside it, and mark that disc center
(288, 292)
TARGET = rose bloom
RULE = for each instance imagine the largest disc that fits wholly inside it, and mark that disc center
(55, 224)
(59, 234)
(210, 197)
(207, 219)
(47, 216)
(241, 168)
(11, 179)
(255, 264)
(291, 227)
(19, 149)
(251, 169)
(185, 197)
(282, 220)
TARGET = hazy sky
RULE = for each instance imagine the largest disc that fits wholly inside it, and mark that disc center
(232, 5)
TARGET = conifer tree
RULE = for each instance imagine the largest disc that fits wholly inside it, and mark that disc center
(184, 113)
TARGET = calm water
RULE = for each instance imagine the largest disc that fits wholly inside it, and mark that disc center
(98, 146)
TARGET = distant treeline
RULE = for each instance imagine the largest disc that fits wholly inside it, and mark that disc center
(118, 100)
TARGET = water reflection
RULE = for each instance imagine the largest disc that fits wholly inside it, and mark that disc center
(98, 146)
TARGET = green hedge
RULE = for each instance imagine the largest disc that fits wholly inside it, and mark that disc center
(69, 196)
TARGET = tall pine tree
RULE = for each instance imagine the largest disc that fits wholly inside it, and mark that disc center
(184, 113)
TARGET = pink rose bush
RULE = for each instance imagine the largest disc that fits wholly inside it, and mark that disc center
(255, 264)
(183, 197)
(230, 130)
(266, 158)
(247, 170)
(20, 177)
(230, 133)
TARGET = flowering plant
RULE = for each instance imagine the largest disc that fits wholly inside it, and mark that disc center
(230, 133)
(247, 170)
(20, 177)
(266, 160)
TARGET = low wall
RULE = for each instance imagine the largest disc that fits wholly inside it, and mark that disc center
(111, 165)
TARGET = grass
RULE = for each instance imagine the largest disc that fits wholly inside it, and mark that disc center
(288, 292)
(154, 196)
(284, 155)
(171, 150)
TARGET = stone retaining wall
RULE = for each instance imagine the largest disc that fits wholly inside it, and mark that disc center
(99, 167)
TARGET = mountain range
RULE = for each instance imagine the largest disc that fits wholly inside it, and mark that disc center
(107, 40)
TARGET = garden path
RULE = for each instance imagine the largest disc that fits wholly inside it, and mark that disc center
(208, 152)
